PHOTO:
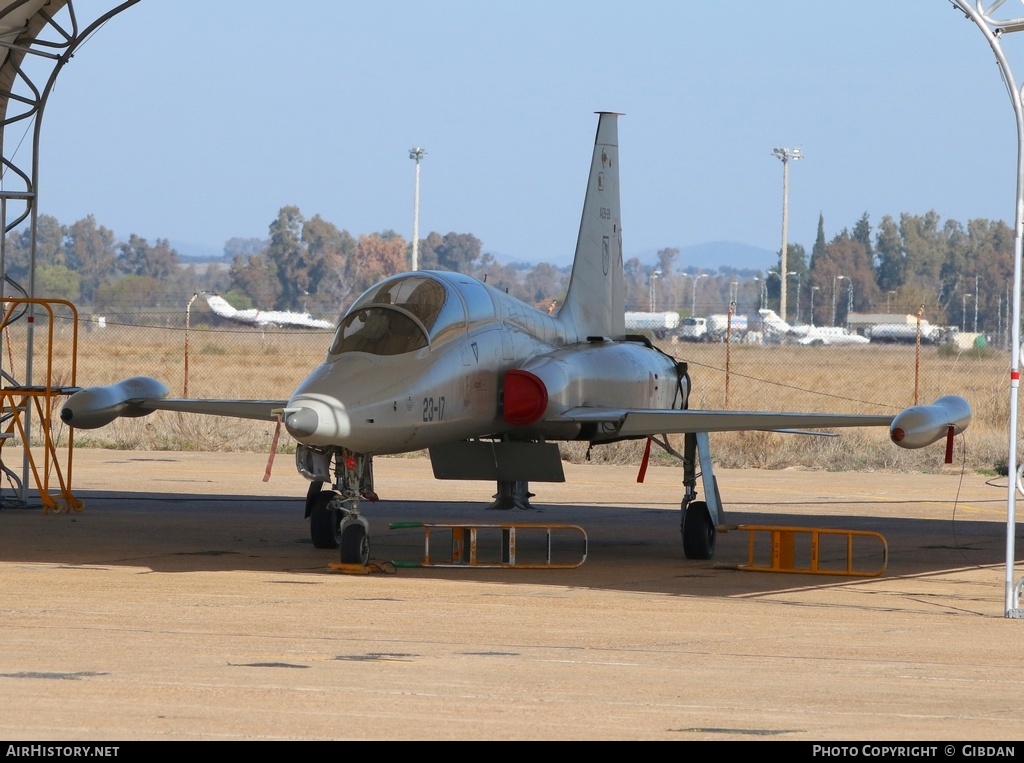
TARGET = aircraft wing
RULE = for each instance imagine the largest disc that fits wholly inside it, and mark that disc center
(265, 410)
(642, 423)
(97, 406)
(913, 427)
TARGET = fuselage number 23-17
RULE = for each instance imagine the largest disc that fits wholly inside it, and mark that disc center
(433, 408)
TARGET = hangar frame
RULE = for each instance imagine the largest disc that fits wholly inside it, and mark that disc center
(37, 38)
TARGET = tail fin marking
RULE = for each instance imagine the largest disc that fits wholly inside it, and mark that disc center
(595, 300)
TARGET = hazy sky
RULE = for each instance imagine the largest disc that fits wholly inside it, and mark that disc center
(197, 120)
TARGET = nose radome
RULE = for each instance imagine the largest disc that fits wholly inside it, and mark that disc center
(317, 420)
(301, 422)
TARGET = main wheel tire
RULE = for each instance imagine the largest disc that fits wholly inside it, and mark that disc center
(324, 523)
(698, 532)
(355, 545)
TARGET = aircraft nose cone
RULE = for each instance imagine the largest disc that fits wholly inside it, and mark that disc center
(302, 422)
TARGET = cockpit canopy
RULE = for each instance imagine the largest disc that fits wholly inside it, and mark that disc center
(399, 315)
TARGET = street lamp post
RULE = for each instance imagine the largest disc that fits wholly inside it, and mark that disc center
(834, 284)
(976, 304)
(794, 273)
(963, 317)
(784, 155)
(416, 153)
(654, 294)
(693, 305)
(768, 275)
(813, 289)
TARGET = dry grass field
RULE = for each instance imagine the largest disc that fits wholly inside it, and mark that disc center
(250, 363)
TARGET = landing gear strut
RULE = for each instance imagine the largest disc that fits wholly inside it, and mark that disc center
(699, 517)
(334, 518)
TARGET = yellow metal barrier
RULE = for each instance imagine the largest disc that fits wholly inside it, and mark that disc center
(780, 544)
(470, 542)
(16, 401)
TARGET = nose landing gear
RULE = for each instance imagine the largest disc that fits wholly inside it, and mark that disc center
(334, 519)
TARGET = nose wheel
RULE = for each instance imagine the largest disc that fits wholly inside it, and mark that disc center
(355, 541)
(324, 521)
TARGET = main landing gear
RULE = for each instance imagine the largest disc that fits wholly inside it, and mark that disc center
(334, 518)
(699, 517)
(335, 522)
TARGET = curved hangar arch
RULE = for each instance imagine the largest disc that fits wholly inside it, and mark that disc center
(37, 37)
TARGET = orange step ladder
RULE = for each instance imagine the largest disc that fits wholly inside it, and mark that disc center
(777, 548)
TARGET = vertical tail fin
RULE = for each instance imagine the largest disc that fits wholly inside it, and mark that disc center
(595, 301)
(773, 322)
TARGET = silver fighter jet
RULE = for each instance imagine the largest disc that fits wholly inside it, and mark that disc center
(488, 384)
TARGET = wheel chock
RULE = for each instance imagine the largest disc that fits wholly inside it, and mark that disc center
(350, 569)
(388, 568)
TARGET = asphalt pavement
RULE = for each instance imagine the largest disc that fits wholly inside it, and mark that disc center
(186, 602)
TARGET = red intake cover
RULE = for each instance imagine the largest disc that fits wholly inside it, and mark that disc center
(526, 398)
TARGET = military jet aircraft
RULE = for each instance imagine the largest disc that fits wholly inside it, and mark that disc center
(488, 384)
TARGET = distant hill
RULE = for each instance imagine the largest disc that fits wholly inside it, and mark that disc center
(729, 254)
(717, 256)
(192, 252)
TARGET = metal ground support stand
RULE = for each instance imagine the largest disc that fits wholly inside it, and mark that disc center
(781, 544)
(18, 402)
(512, 494)
(468, 544)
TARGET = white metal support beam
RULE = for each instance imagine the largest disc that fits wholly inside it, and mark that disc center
(994, 30)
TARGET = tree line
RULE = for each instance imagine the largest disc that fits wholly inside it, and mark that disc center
(312, 265)
(306, 265)
(955, 272)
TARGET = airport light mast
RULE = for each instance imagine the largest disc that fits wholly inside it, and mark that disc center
(835, 282)
(693, 304)
(794, 273)
(784, 155)
(416, 153)
(654, 293)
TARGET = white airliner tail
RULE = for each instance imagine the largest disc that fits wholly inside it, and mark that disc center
(772, 322)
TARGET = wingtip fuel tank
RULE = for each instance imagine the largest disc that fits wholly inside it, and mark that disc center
(97, 406)
(924, 424)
